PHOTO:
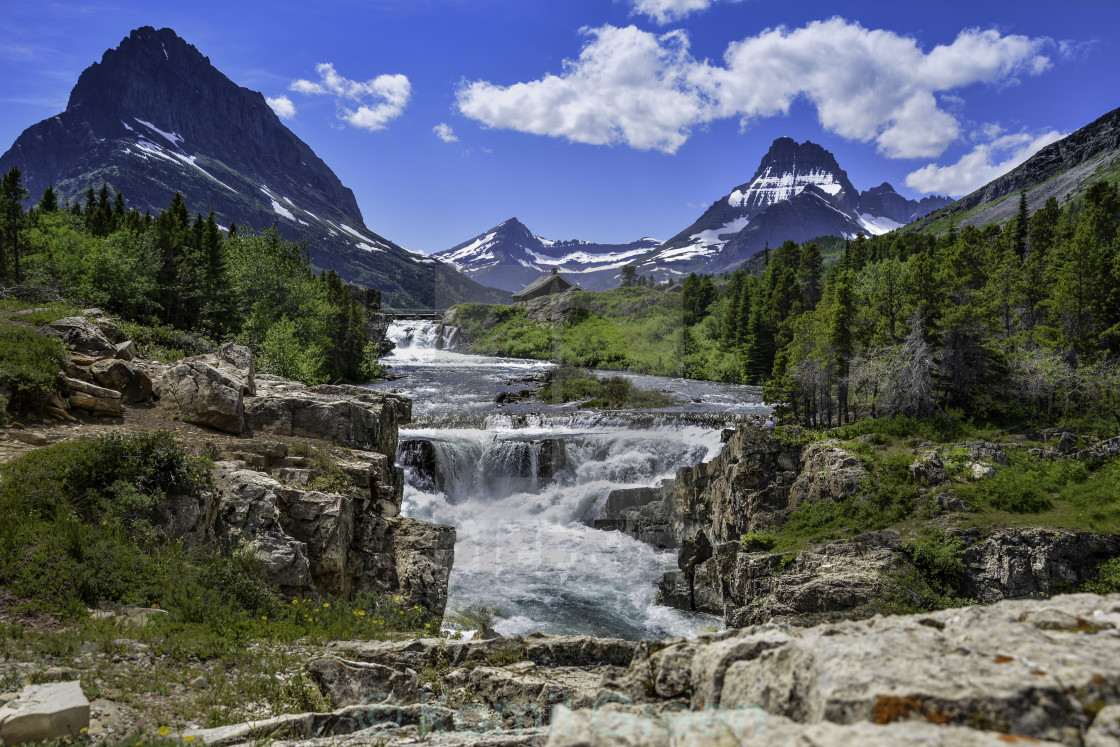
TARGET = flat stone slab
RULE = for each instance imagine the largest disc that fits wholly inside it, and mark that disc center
(44, 712)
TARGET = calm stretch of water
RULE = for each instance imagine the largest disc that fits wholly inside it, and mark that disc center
(522, 483)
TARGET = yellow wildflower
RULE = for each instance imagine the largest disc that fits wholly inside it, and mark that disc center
(164, 730)
(189, 738)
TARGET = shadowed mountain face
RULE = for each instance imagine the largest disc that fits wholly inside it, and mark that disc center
(510, 256)
(798, 192)
(154, 117)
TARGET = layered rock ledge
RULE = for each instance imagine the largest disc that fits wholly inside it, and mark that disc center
(1022, 671)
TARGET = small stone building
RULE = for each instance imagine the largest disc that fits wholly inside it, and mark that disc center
(545, 285)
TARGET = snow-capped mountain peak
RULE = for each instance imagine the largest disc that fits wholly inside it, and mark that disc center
(510, 256)
(797, 193)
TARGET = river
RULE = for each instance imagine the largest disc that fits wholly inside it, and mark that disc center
(523, 482)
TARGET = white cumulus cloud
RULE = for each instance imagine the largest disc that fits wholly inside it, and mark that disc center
(647, 91)
(667, 11)
(444, 132)
(283, 106)
(368, 105)
(985, 162)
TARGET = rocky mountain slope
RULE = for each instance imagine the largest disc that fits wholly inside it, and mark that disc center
(798, 192)
(510, 256)
(1062, 170)
(154, 117)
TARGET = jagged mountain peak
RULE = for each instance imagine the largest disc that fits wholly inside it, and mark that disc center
(883, 189)
(786, 169)
(154, 117)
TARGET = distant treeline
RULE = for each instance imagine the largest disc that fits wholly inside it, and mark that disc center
(185, 273)
(1021, 320)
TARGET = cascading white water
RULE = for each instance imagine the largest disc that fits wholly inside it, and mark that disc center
(522, 485)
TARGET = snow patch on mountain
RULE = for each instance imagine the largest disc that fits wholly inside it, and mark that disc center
(772, 186)
(712, 237)
(877, 225)
(173, 137)
(282, 211)
(147, 149)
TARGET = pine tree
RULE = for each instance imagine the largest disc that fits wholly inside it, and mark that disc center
(1022, 226)
(840, 338)
(12, 195)
(729, 335)
(218, 304)
(48, 203)
(809, 271)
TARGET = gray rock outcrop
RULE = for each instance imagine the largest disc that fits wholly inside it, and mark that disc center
(1015, 564)
(312, 543)
(82, 336)
(346, 415)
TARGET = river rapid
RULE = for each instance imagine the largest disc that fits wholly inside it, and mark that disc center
(523, 482)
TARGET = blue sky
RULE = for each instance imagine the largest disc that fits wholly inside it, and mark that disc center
(609, 120)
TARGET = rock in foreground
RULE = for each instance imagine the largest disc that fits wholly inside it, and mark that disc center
(1017, 672)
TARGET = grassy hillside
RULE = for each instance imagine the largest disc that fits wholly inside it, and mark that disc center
(634, 329)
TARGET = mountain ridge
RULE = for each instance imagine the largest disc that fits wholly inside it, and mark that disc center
(1061, 170)
(510, 256)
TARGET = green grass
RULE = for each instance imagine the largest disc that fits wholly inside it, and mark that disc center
(634, 329)
(37, 314)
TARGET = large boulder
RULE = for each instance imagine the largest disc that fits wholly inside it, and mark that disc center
(81, 336)
(46, 712)
(345, 415)
(827, 473)
(125, 377)
(235, 362)
(203, 395)
(1038, 669)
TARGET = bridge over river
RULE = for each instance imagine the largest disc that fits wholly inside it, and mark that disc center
(429, 314)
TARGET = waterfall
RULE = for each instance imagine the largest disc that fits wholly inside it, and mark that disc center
(522, 484)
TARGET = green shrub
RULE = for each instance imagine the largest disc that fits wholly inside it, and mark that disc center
(30, 364)
(567, 384)
(1108, 578)
(939, 558)
(167, 344)
(762, 541)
